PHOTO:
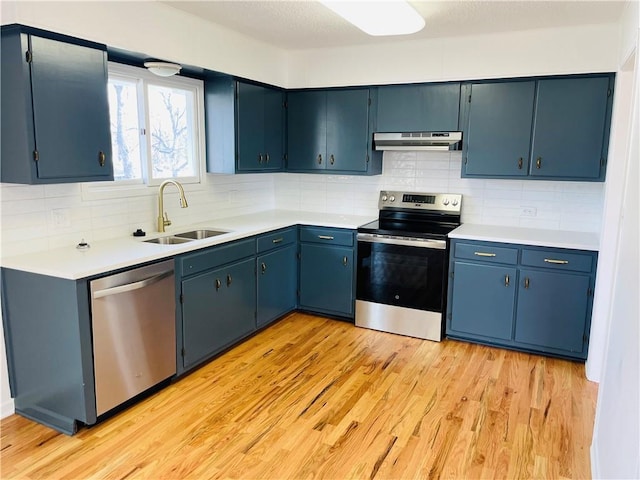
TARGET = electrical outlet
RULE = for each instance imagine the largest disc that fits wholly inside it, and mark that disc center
(528, 211)
(61, 217)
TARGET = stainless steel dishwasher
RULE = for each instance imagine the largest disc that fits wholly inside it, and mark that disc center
(134, 336)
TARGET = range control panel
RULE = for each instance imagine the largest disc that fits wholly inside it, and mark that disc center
(446, 202)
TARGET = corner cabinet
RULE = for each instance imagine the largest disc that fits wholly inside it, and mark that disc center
(217, 300)
(245, 126)
(277, 275)
(327, 273)
(331, 131)
(420, 107)
(55, 109)
(554, 128)
(535, 299)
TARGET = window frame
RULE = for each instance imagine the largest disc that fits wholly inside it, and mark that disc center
(142, 78)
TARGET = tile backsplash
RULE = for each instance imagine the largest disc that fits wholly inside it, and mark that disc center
(43, 217)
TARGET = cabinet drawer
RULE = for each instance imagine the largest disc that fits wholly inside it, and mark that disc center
(486, 253)
(214, 256)
(558, 259)
(276, 239)
(326, 235)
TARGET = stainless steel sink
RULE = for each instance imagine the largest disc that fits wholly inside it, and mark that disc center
(200, 234)
(169, 240)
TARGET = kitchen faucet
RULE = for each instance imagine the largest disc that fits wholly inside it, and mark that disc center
(163, 221)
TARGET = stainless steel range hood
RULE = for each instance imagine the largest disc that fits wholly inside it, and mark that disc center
(417, 140)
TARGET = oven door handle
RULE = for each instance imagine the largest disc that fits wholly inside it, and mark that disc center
(404, 241)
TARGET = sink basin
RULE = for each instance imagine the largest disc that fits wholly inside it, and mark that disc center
(170, 240)
(200, 234)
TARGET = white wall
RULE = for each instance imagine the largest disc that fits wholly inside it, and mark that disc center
(616, 437)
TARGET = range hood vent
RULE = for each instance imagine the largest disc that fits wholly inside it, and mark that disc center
(417, 141)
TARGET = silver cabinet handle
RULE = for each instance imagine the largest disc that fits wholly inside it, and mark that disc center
(484, 254)
(345, 260)
(506, 280)
(102, 158)
(526, 282)
(277, 240)
(218, 284)
(229, 279)
(263, 267)
(325, 237)
(539, 162)
(259, 158)
(520, 163)
(557, 262)
(319, 159)
(131, 286)
(266, 157)
(332, 160)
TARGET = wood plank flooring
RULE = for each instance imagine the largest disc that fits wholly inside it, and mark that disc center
(316, 398)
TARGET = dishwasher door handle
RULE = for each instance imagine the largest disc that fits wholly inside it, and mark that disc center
(132, 286)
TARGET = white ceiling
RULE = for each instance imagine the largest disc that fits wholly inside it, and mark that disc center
(304, 24)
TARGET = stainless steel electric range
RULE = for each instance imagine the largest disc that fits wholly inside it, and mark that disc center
(402, 263)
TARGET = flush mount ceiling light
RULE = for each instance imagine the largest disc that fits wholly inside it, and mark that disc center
(378, 18)
(163, 69)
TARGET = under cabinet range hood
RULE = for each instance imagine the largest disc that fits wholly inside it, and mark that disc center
(417, 140)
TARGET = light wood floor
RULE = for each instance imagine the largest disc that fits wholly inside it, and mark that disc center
(317, 398)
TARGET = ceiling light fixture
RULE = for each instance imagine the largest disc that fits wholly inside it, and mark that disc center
(163, 69)
(378, 18)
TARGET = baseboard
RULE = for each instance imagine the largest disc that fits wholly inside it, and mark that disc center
(7, 408)
(595, 464)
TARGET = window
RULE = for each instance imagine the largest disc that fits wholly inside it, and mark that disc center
(157, 126)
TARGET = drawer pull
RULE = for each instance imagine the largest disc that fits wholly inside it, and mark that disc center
(507, 280)
(556, 262)
(484, 254)
(277, 240)
(325, 237)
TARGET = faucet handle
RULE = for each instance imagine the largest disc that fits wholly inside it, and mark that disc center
(166, 220)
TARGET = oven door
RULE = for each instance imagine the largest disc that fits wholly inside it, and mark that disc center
(403, 272)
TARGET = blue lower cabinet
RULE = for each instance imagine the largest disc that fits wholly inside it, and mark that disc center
(535, 299)
(552, 309)
(486, 288)
(327, 279)
(217, 306)
(277, 279)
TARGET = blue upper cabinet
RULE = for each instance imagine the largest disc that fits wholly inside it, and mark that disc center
(260, 121)
(548, 128)
(55, 110)
(245, 126)
(498, 130)
(307, 130)
(414, 108)
(330, 131)
(571, 131)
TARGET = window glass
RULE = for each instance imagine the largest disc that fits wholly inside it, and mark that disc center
(125, 129)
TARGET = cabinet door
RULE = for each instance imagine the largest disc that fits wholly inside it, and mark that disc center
(274, 125)
(498, 129)
(415, 108)
(70, 111)
(307, 130)
(347, 129)
(277, 283)
(570, 127)
(483, 300)
(552, 309)
(218, 308)
(326, 279)
(250, 116)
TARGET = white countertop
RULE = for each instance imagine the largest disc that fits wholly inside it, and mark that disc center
(528, 236)
(108, 255)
